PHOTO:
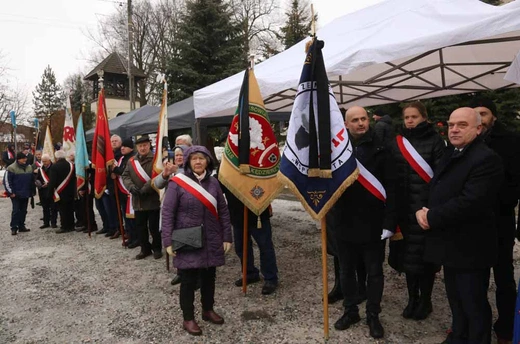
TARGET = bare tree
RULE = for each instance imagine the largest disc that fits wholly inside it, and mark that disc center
(155, 27)
(260, 20)
(12, 97)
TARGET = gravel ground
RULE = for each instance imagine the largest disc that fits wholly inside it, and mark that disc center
(69, 288)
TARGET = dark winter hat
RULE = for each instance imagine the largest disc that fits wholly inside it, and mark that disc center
(20, 155)
(484, 102)
(143, 139)
(379, 112)
(11, 146)
(129, 143)
(27, 145)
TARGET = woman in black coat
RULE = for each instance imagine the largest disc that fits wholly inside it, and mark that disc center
(412, 194)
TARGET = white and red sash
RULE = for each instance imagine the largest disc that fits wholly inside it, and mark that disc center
(129, 211)
(415, 160)
(198, 191)
(10, 154)
(139, 170)
(370, 182)
(63, 184)
(38, 164)
(44, 175)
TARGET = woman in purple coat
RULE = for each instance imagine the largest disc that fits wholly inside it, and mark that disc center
(194, 199)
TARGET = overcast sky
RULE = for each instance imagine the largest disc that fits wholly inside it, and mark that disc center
(37, 33)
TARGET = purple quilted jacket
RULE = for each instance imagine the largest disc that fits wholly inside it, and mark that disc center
(181, 209)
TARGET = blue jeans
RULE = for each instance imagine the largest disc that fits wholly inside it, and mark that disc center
(109, 218)
(263, 238)
(19, 212)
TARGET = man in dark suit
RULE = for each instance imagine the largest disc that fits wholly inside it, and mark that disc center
(460, 221)
(63, 181)
(362, 220)
(504, 143)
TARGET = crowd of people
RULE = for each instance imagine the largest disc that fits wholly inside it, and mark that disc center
(448, 204)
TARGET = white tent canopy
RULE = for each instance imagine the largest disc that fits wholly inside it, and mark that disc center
(394, 51)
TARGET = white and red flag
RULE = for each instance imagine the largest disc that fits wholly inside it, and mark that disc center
(69, 137)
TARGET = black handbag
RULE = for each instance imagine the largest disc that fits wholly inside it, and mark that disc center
(187, 239)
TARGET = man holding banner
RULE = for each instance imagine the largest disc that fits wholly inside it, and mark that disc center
(63, 185)
(363, 217)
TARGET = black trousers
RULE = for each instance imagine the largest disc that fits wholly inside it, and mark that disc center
(504, 274)
(187, 291)
(349, 255)
(467, 295)
(79, 211)
(66, 208)
(147, 223)
(50, 211)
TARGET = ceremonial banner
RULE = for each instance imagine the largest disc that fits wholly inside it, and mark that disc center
(251, 156)
(317, 162)
(81, 155)
(48, 147)
(102, 154)
(162, 133)
(69, 139)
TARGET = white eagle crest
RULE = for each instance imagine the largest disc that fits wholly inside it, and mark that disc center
(255, 134)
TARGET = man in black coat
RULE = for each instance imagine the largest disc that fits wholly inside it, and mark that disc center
(8, 156)
(63, 180)
(362, 221)
(504, 143)
(125, 153)
(50, 212)
(460, 225)
(384, 127)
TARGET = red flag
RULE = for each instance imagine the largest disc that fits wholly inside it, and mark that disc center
(102, 154)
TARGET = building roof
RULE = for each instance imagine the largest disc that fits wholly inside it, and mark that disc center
(115, 64)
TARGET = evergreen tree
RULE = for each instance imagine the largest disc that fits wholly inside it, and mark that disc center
(209, 49)
(48, 96)
(298, 24)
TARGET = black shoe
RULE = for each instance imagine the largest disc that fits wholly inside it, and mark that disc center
(102, 231)
(158, 255)
(45, 225)
(54, 226)
(108, 234)
(346, 321)
(63, 230)
(176, 280)
(269, 287)
(250, 280)
(24, 229)
(376, 329)
(14, 231)
(423, 310)
(79, 229)
(142, 255)
(133, 244)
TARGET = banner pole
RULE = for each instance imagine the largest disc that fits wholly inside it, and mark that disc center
(325, 278)
(244, 252)
(121, 230)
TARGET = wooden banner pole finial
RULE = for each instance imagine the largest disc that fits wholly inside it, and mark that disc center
(313, 22)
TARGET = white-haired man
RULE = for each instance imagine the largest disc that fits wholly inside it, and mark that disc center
(184, 140)
(50, 212)
(460, 227)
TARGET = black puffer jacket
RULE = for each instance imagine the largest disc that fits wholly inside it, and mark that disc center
(412, 194)
(358, 216)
